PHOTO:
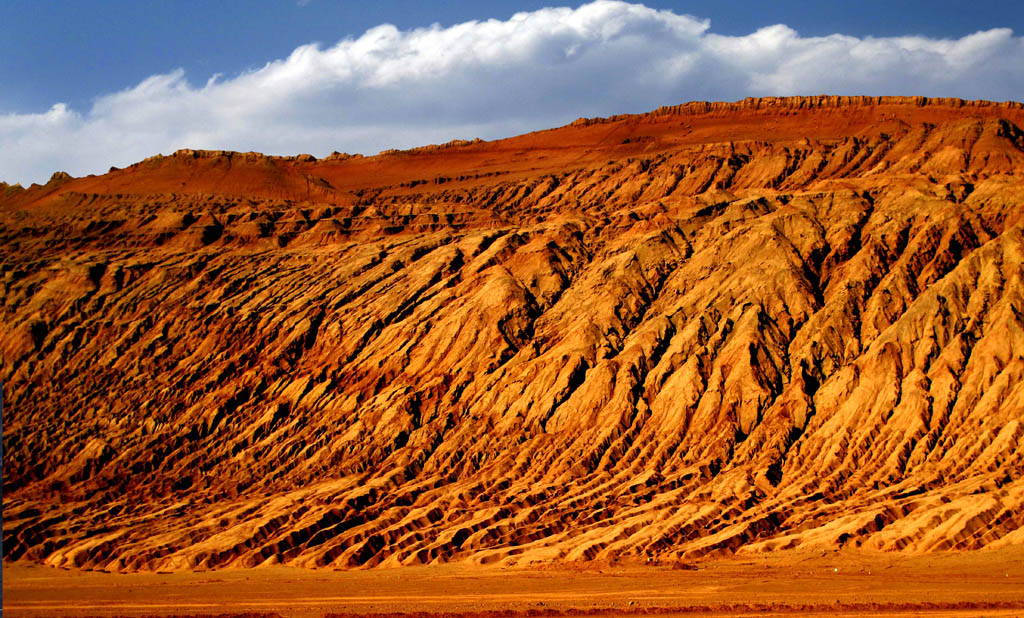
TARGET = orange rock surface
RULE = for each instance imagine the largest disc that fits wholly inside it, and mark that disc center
(712, 329)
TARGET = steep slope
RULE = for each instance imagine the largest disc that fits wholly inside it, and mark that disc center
(712, 328)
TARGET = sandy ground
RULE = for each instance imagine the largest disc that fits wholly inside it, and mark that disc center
(987, 583)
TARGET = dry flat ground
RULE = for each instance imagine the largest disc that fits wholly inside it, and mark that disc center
(985, 583)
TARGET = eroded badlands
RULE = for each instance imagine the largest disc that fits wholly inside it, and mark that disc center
(712, 329)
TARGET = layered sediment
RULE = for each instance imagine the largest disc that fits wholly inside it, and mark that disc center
(714, 328)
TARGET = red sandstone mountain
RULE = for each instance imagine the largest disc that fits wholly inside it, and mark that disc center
(725, 327)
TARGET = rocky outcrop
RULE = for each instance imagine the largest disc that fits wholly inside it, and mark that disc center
(772, 324)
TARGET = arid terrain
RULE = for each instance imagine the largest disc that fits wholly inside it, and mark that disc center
(788, 583)
(714, 331)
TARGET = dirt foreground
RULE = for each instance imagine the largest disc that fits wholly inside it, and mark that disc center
(985, 583)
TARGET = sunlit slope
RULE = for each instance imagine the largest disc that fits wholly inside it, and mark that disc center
(712, 328)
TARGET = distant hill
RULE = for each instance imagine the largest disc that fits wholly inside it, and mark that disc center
(713, 328)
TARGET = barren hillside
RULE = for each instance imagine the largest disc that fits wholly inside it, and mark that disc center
(713, 328)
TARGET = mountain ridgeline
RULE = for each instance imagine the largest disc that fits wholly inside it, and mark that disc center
(714, 328)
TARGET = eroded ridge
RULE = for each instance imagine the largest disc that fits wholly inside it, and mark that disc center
(657, 337)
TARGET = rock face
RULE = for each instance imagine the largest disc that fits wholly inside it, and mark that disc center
(713, 328)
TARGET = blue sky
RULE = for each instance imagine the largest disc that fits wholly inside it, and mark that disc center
(94, 84)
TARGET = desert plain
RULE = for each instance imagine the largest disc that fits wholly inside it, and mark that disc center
(788, 583)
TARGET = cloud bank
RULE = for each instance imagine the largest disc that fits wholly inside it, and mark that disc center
(490, 79)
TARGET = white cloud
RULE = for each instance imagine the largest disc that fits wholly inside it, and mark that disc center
(390, 88)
